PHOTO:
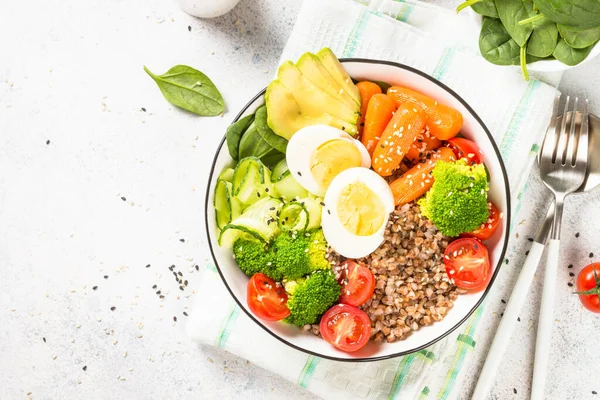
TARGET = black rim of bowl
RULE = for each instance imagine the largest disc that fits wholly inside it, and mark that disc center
(496, 270)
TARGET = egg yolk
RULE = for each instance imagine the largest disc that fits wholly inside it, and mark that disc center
(331, 158)
(360, 210)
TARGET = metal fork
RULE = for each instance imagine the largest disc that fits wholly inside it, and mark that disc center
(563, 166)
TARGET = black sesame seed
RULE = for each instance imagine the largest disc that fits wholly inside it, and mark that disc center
(144, 109)
(343, 128)
(514, 391)
(329, 212)
(105, 276)
(175, 319)
(162, 296)
(47, 141)
(570, 284)
(527, 253)
(591, 255)
(185, 282)
(44, 339)
(594, 392)
(158, 292)
(154, 286)
(258, 194)
(189, 28)
(299, 173)
(267, 190)
(577, 235)
(272, 208)
(506, 261)
(197, 268)
(530, 239)
(123, 198)
(503, 301)
(181, 288)
(175, 274)
(84, 368)
(570, 266)
(148, 266)
(322, 204)
(185, 313)
(519, 319)
(182, 240)
(502, 314)
(171, 267)
(95, 288)
(571, 274)
(179, 273)
(113, 308)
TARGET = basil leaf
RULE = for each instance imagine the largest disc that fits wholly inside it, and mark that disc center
(543, 39)
(277, 142)
(513, 11)
(190, 89)
(234, 133)
(577, 14)
(487, 8)
(568, 55)
(496, 45)
(579, 39)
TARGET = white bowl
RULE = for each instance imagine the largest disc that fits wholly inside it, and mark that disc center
(465, 305)
(543, 65)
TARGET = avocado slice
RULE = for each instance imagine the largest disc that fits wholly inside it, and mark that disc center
(310, 97)
(333, 65)
(311, 67)
(286, 115)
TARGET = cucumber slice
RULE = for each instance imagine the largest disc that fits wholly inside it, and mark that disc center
(314, 209)
(257, 222)
(227, 207)
(251, 181)
(279, 171)
(288, 188)
(293, 217)
(227, 174)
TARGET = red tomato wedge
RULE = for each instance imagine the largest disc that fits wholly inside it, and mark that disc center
(468, 264)
(489, 227)
(588, 287)
(266, 298)
(346, 327)
(358, 283)
(466, 149)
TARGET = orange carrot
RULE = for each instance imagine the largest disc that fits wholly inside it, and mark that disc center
(415, 182)
(400, 133)
(367, 90)
(379, 113)
(425, 142)
(444, 122)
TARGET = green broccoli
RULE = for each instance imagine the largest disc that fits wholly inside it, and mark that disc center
(457, 201)
(253, 257)
(311, 297)
(299, 254)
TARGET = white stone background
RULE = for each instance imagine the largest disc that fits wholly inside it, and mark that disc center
(71, 73)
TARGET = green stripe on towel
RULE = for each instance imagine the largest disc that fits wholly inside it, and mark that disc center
(228, 325)
(308, 371)
(403, 369)
(442, 66)
(359, 27)
(511, 134)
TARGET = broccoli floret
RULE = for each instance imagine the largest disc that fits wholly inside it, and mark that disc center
(457, 201)
(299, 254)
(253, 257)
(311, 297)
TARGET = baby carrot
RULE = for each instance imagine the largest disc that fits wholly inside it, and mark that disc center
(424, 143)
(415, 182)
(367, 90)
(400, 133)
(379, 113)
(444, 122)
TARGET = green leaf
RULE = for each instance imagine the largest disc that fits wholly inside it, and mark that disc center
(579, 39)
(543, 39)
(496, 45)
(190, 89)
(513, 11)
(252, 144)
(234, 133)
(277, 142)
(487, 8)
(568, 55)
(576, 14)
(383, 85)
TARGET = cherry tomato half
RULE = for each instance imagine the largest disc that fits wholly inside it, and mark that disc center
(468, 263)
(488, 228)
(358, 283)
(588, 287)
(345, 327)
(467, 149)
(267, 299)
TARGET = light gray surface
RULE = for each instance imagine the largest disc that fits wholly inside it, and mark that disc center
(72, 73)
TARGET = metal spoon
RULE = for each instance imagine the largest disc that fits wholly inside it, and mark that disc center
(515, 303)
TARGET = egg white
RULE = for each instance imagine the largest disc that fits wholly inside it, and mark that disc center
(339, 238)
(303, 144)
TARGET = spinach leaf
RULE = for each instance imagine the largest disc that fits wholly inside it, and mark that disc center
(272, 158)
(513, 11)
(487, 8)
(577, 14)
(579, 39)
(252, 144)
(568, 55)
(189, 89)
(542, 41)
(234, 133)
(496, 45)
(383, 85)
(267, 134)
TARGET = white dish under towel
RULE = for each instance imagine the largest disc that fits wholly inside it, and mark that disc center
(444, 45)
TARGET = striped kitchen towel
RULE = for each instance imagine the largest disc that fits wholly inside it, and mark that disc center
(444, 45)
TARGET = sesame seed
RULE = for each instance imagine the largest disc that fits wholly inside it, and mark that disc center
(84, 368)
(105, 276)
(95, 288)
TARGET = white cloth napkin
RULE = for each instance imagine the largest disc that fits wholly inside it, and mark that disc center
(444, 45)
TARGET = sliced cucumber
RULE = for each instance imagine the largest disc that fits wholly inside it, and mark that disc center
(279, 171)
(227, 175)
(293, 217)
(227, 207)
(289, 188)
(257, 222)
(314, 209)
(251, 181)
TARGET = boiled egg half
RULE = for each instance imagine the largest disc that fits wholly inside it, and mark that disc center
(316, 154)
(357, 208)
